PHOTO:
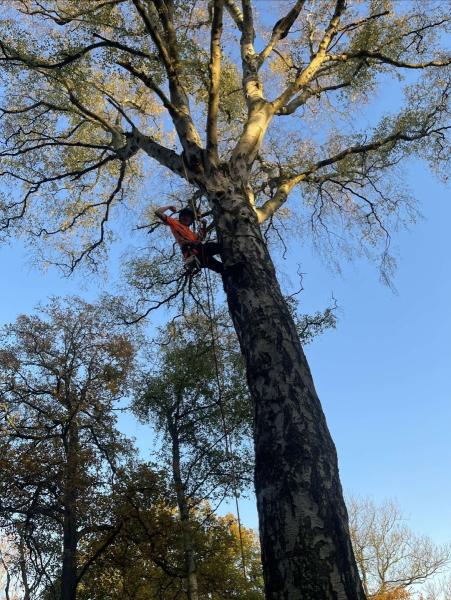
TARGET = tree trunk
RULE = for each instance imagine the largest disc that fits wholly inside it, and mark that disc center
(190, 560)
(23, 570)
(305, 542)
(70, 541)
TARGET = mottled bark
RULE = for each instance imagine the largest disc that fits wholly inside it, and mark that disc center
(185, 524)
(306, 549)
(70, 534)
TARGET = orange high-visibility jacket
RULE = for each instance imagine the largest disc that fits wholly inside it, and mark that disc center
(182, 233)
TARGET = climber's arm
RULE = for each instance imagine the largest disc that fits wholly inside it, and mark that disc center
(160, 211)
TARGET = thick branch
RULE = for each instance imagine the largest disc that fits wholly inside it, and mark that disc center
(215, 76)
(265, 211)
(382, 58)
(252, 87)
(235, 12)
(281, 30)
(186, 130)
(166, 157)
(306, 75)
(156, 38)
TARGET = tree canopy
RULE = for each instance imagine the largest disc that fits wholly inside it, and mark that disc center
(91, 90)
(61, 373)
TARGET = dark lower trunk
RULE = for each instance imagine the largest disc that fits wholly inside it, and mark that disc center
(306, 548)
(70, 536)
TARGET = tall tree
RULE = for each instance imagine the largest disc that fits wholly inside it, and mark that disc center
(90, 88)
(391, 558)
(60, 373)
(146, 561)
(196, 398)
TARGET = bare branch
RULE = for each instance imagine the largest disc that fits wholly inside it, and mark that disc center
(383, 59)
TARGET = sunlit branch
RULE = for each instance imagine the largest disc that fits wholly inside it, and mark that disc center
(281, 30)
(156, 38)
(186, 130)
(252, 87)
(383, 59)
(286, 186)
(215, 76)
(306, 75)
(235, 12)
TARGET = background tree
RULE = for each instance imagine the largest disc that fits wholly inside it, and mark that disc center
(88, 91)
(439, 589)
(147, 559)
(196, 398)
(391, 558)
(61, 371)
(10, 569)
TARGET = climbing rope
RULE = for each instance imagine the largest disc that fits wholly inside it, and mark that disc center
(220, 385)
(227, 443)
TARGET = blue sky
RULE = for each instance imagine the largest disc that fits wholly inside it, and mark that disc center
(384, 376)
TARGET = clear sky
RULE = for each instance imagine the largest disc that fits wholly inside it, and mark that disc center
(384, 376)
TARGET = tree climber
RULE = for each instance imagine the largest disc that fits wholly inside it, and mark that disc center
(195, 251)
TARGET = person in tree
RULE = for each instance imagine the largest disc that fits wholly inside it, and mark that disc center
(194, 249)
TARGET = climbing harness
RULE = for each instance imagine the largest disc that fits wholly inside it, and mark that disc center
(220, 404)
(192, 264)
